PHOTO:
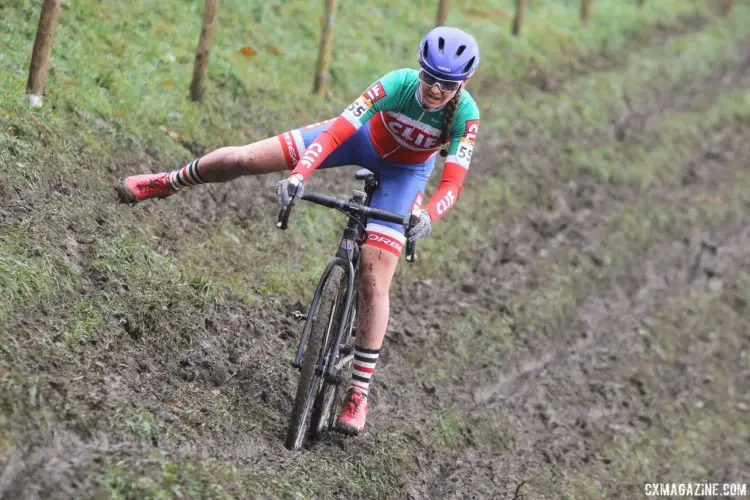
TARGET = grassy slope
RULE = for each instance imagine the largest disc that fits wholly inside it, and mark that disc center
(96, 240)
(128, 111)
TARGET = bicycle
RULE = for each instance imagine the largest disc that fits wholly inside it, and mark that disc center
(326, 348)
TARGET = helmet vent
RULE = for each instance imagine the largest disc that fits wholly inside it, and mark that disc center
(441, 44)
(425, 50)
(460, 51)
(469, 64)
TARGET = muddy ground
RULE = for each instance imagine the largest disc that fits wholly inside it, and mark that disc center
(559, 361)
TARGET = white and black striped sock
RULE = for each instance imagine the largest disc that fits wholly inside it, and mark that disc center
(363, 368)
(189, 175)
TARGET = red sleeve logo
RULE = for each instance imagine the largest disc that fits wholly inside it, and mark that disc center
(374, 93)
(470, 134)
(417, 201)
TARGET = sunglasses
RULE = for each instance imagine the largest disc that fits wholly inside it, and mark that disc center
(444, 85)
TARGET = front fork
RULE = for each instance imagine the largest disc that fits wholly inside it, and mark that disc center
(347, 256)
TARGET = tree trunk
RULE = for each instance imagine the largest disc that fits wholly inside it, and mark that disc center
(45, 38)
(585, 10)
(203, 51)
(442, 13)
(641, 2)
(518, 18)
(326, 45)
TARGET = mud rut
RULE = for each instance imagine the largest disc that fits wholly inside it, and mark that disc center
(563, 397)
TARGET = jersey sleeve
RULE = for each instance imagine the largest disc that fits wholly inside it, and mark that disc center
(380, 96)
(463, 135)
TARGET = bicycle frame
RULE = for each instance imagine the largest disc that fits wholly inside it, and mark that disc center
(348, 257)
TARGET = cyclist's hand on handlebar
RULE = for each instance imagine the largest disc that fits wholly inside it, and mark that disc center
(289, 189)
(422, 228)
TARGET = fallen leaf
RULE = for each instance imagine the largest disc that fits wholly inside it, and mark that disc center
(173, 135)
(247, 51)
(170, 84)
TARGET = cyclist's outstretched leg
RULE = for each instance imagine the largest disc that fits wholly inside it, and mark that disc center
(274, 154)
(221, 165)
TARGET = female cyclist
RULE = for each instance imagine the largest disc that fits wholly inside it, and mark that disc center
(395, 129)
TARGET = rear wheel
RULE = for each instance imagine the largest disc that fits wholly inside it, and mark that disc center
(310, 382)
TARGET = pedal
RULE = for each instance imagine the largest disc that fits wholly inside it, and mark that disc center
(299, 316)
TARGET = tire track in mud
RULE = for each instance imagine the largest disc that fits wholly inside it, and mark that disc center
(692, 262)
(710, 177)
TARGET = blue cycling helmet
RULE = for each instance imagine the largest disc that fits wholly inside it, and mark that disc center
(449, 53)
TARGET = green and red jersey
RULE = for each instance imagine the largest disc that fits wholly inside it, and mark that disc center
(402, 131)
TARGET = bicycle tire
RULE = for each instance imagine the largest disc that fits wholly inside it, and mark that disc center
(309, 381)
(323, 418)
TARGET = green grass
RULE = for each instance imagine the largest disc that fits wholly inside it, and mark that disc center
(126, 72)
(187, 478)
(29, 275)
(671, 142)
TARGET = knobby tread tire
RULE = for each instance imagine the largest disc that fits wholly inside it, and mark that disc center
(308, 381)
(320, 408)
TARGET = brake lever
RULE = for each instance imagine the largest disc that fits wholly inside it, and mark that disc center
(411, 246)
(283, 219)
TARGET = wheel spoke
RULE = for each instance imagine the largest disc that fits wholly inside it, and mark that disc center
(313, 390)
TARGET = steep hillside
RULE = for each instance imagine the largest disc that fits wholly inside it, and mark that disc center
(575, 328)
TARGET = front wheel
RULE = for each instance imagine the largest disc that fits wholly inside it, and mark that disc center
(310, 381)
(324, 413)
